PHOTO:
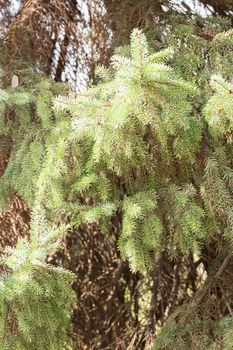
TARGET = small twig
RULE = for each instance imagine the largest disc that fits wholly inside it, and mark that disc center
(229, 309)
(223, 266)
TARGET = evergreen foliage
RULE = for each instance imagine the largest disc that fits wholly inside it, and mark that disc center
(152, 142)
(36, 299)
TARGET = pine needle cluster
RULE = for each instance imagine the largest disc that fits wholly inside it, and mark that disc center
(35, 297)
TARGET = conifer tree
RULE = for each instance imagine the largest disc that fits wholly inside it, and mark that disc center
(151, 142)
